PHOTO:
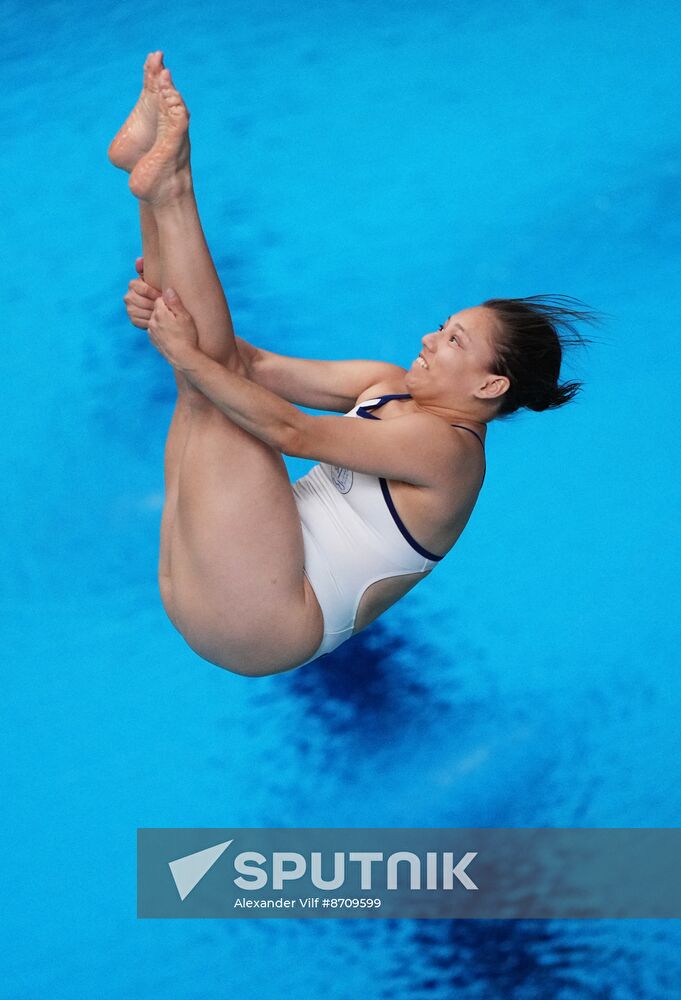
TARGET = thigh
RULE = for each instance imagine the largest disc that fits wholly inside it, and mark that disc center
(237, 551)
(176, 439)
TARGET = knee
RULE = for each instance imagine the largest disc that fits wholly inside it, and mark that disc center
(196, 401)
(236, 364)
(231, 360)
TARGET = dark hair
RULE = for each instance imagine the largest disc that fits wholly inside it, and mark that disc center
(532, 333)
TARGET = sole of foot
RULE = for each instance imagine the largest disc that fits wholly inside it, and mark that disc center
(163, 173)
(138, 133)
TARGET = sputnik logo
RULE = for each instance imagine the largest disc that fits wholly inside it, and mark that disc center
(188, 871)
(287, 866)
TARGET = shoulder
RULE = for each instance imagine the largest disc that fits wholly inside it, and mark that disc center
(458, 458)
(392, 381)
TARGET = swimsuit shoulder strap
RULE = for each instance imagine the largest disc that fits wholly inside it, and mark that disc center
(470, 431)
(407, 395)
(482, 445)
(389, 396)
(373, 404)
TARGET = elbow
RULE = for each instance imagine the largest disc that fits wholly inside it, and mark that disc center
(294, 437)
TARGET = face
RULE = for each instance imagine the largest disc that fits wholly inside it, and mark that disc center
(458, 356)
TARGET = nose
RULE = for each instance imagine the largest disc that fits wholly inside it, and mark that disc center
(428, 341)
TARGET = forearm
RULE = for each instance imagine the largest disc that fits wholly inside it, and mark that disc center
(318, 384)
(259, 411)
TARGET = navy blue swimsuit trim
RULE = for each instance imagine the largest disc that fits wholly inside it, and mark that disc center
(363, 411)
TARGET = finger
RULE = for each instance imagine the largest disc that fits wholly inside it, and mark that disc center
(138, 318)
(139, 266)
(142, 288)
(160, 313)
(138, 301)
(173, 302)
(133, 309)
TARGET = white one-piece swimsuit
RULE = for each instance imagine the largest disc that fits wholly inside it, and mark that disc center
(353, 537)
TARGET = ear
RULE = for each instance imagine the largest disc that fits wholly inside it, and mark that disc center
(493, 387)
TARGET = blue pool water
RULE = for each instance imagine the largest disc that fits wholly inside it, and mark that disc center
(363, 170)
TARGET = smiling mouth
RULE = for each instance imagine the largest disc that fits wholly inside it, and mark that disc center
(421, 361)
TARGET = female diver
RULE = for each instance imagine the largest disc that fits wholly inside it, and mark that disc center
(260, 575)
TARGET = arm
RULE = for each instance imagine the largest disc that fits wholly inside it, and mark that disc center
(416, 449)
(321, 385)
(410, 448)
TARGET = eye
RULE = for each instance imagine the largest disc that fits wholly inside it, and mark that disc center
(452, 337)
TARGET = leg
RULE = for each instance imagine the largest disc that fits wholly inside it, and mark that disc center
(240, 597)
(179, 424)
(163, 179)
(238, 592)
(133, 140)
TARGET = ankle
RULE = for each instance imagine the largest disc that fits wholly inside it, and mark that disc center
(175, 194)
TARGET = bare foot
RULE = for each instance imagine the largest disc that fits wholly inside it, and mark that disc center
(137, 135)
(163, 173)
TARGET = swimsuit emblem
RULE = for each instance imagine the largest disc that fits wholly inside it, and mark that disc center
(341, 478)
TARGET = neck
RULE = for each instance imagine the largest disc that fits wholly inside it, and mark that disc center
(469, 415)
